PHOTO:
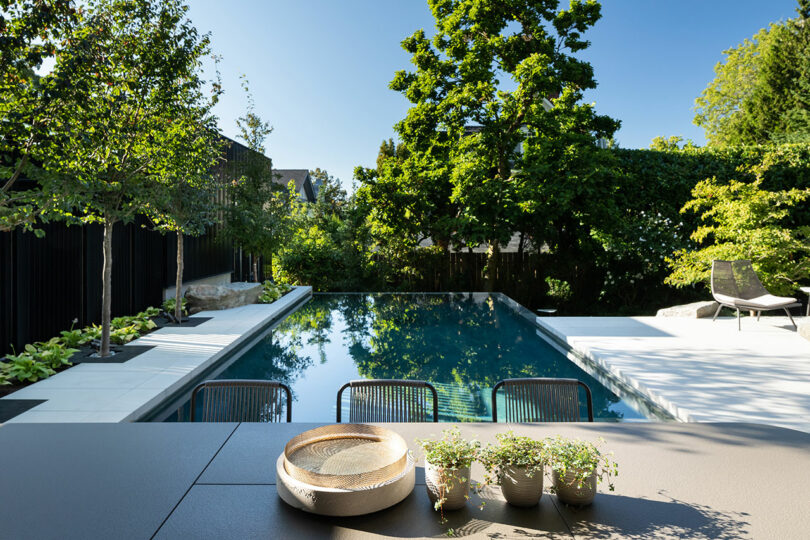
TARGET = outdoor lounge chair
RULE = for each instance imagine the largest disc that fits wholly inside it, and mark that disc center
(241, 400)
(389, 400)
(541, 400)
(736, 285)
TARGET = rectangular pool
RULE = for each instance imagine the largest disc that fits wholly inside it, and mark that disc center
(462, 343)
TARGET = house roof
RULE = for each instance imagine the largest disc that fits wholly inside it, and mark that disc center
(301, 179)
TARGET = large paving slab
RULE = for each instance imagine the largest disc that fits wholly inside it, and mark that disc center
(125, 391)
(699, 370)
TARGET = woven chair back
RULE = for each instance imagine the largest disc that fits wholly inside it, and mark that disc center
(736, 279)
(541, 400)
(242, 401)
(383, 400)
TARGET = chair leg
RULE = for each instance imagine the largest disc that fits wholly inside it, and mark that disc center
(739, 326)
(716, 313)
(758, 314)
(791, 319)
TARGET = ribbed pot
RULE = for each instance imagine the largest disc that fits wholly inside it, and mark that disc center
(519, 489)
(568, 492)
(456, 495)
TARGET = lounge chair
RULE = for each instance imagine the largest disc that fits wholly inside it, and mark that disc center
(736, 285)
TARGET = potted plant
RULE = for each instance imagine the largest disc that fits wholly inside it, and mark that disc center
(516, 463)
(576, 467)
(447, 469)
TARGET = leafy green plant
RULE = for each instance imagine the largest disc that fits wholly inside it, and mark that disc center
(149, 312)
(53, 353)
(24, 368)
(270, 292)
(515, 451)
(448, 454)
(92, 332)
(4, 380)
(581, 459)
(122, 336)
(169, 305)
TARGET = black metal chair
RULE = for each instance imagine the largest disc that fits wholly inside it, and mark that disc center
(541, 400)
(240, 400)
(388, 400)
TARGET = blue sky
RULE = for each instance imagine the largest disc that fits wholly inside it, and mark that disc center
(319, 69)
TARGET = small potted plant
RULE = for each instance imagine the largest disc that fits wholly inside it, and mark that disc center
(516, 463)
(576, 468)
(447, 469)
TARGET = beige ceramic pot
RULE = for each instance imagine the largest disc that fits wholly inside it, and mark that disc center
(568, 491)
(457, 489)
(519, 489)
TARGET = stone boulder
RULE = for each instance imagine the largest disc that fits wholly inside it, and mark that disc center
(211, 297)
(804, 330)
(695, 310)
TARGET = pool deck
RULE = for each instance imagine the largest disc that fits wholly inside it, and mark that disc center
(124, 392)
(699, 370)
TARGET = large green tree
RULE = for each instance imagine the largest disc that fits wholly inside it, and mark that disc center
(127, 70)
(760, 92)
(494, 64)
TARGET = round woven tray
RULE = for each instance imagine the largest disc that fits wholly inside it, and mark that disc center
(346, 456)
(345, 470)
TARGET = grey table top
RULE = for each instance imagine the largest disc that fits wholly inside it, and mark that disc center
(218, 481)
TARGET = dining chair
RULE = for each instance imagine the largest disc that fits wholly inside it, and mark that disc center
(241, 400)
(389, 400)
(541, 400)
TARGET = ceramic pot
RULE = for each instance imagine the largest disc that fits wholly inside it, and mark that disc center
(568, 491)
(456, 495)
(519, 489)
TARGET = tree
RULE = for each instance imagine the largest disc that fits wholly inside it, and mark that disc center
(760, 91)
(330, 193)
(29, 103)
(457, 83)
(744, 221)
(257, 218)
(126, 70)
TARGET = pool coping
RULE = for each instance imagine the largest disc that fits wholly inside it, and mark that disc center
(130, 391)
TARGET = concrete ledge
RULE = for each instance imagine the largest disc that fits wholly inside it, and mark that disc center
(695, 310)
(127, 391)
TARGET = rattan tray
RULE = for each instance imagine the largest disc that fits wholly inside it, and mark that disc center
(345, 470)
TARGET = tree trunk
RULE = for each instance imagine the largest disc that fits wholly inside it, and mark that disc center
(493, 258)
(106, 289)
(255, 268)
(178, 282)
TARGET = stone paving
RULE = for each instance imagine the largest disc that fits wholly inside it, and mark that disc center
(699, 370)
(125, 391)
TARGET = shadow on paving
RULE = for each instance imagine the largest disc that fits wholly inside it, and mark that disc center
(628, 517)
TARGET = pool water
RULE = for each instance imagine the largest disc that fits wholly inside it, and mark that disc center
(461, 343)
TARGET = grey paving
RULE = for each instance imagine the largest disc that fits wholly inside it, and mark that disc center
(118, 392)
(699, 370)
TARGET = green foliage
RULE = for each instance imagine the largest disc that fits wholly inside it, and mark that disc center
(170, 304)
(743, 221)
(581, 459)
(452, 451)
(272, 291)
(760, 92)
(52, 353)
(24, 367)
(512, 451)
(122, 336)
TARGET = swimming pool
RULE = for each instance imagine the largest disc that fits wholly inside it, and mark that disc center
(463, 343)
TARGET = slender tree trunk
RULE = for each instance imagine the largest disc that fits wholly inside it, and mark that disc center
(493, 259)
(269, 265)
(255, 268)
(106, 288)
(178, 282)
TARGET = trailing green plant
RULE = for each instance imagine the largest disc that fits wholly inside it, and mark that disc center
(448, 454)
(512, 451)
(24, 368)
(580, 459)
(169, 305)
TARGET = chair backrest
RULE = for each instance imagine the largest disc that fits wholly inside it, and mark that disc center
(389, 400)
(241, 400)
(736, 279)
(541, 400)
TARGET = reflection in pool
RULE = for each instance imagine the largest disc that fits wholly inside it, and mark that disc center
(462, 343)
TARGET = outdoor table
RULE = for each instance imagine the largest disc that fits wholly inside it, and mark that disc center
(218, 481)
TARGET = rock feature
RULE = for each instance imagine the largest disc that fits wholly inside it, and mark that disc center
(696, 310)
(804, 330)
(211, 297)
